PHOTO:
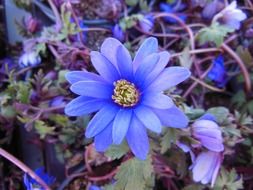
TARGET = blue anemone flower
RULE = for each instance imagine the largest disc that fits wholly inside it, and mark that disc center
(128, 95)
(172, 8)
(218, 72)
(31, 184)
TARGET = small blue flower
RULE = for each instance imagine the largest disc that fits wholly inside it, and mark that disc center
(118, 33)
(128, 95)
(29, 59)
(218, 72)
(172, 8)
(147, 23)
(31, 184)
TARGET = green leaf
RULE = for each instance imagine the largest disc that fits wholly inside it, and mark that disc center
(130, 21)
(23, 93)
(117, 151)
(108, 187)
(193, 113)
(214, 33)
(243, 119)
(186, 59)
(220, 113)
(193, 187)
(228, 180)
(59, 119)
(131, 2)
(144, 5)
(134, 174)
(245, 55)
(43, 129)
(8, 111)
(239, 98)
(41, 48)
(169, 137)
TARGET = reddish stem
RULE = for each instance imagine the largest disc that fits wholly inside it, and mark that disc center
(244, 70)
(23, 167)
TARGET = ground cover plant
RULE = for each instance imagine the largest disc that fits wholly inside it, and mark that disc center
(127, 95)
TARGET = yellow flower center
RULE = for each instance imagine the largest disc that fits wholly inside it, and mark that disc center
(125, 93)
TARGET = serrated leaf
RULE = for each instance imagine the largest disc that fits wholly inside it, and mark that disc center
(117, 151)
(130, 21)
(243, 119)
(169, 137)
(214, 33)
(220, 113)
(43, 129)
(186, 59)
(239, 98)
(59, 119)
(134, 174)
(228, 180)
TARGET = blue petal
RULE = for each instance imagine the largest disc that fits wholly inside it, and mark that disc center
(109, 50)
(124, 62)
(104, 67)
(169, 77)
(76, 76)
(157, 100)
(148, 118)
(172, 117)
(145, 67)
(137, 139)
(218, 72)
(83, 105)
(208, 116)
(149, 46)
(101, 120)
(92, 89)
(103, 139)
(163, 61)
(203, 165)
(120, 125)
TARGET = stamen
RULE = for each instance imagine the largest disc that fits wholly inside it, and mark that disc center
(125, 93)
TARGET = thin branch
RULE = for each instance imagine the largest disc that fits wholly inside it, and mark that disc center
(23, 167)
(243, 68)
(207, 85)
(197, 51)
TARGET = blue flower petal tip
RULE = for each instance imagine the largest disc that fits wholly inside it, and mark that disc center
(32, 184)
(218, 73)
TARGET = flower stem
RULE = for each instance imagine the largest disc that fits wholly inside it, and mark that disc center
(197, 51)
(23, 167)
(181, 22)
(207, 85)
(244, 70)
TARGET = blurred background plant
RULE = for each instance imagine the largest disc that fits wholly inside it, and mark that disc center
(56, 36)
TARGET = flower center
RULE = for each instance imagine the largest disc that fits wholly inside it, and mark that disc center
(125, 93)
